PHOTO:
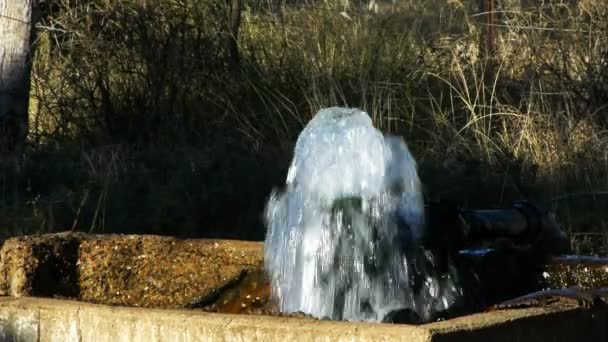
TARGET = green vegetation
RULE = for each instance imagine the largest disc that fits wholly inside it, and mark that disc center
(141, 122)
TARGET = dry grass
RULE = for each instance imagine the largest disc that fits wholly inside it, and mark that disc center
(529, 122)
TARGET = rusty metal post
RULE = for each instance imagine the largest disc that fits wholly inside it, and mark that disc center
(235, 8)
(491, 40)
(487, 44)
(488, 40)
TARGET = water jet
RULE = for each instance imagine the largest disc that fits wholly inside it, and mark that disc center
(343, 238)
(350, 239)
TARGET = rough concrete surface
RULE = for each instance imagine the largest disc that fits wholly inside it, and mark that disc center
(135, 270)
(31, 319)
(161, 272)
(558, 322)
(40, 265)
(166, 272)
(34, 319)
(130, 270)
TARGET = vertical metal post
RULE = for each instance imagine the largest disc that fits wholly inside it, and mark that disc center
(488, 38)
(491, 39)
(234, 23)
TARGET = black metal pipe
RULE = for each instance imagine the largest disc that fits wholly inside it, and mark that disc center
(523, 226)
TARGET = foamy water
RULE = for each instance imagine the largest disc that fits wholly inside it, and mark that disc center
(342, 239)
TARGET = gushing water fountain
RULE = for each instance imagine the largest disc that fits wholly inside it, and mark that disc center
(343, 238)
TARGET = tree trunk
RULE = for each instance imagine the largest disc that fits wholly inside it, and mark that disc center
(15, 66)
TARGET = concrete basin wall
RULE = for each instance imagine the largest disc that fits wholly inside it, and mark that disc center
(129, 270)
(154, 272)
(36, 319)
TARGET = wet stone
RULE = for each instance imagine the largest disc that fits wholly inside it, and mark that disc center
(574, 296)
(250, 296)
(568, 271)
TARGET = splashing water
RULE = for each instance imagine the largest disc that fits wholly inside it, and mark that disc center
(342, 239)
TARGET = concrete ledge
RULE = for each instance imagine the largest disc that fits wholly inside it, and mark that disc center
(166, 272)
(34, 319)
(557, 322)
(130, 270)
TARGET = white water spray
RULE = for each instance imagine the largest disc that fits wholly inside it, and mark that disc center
(342, 239)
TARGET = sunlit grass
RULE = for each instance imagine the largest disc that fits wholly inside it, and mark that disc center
(530, 122)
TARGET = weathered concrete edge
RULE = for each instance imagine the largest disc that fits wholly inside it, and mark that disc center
(559, 322)
(40, 319)
(19, 264)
